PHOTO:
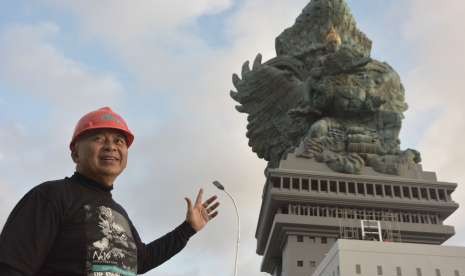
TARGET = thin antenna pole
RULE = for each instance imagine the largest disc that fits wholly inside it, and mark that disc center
(221, 187)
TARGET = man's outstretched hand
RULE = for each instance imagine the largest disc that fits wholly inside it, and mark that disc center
(200, 213)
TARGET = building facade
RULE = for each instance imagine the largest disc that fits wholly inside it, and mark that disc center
(358, 258)
(306, 208)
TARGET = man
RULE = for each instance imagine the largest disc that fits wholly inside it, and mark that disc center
(73, 226)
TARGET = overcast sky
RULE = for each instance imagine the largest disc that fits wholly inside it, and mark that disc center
(166, 67)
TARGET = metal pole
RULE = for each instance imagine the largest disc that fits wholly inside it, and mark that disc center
(221, 187)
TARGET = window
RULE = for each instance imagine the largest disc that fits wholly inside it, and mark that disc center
(323, 186)
(304, 210)
(358, 269)
(312, 239)
(360, 188)
(415, 218)
(449, 194)
(396, 191)
(285, 210)
(398, 271)
(295, 183)
(419, 271)
(294, 209)
(369, 214)
(370, 189)
(314, 211)
(377, 215)
(350, 214)
(300, 263)
(312, 264)
(300, 238)
(342, 187)
(333, 186)
(379, 190)
(442, 195)
(406, 192)
(432, 193)
(286, 183)
(314, 185)
(324, 212)
(379, 270)
(276, 181)
(388, 190)
(424, 193)
(456, 273)
(305, 184)
(324, 240)
(438, 272)
(332, 212)
(352, 187)
(415, 193)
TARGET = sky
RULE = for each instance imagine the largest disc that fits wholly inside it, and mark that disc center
(166, 67)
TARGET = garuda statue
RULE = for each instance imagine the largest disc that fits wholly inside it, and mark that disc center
(324, 98)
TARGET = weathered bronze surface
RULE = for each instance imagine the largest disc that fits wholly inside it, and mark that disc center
(324, 98)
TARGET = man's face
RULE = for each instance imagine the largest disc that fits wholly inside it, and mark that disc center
(101, 155)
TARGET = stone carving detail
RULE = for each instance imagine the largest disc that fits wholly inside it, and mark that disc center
(323, 97)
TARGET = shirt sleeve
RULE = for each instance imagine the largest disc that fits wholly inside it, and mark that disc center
(160, 250)
(7, 270)
(28, 234)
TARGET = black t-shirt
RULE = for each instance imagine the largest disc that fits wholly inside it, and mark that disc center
(74, 227)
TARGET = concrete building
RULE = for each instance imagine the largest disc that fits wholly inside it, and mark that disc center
(358, 258)
(306, 208)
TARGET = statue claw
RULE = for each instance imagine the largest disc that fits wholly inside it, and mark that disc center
(245, 68)
(240, 108)
(257, 62)
(236, 80)
(234, 95)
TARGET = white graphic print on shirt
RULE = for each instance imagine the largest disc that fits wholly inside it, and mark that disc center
(111, 249)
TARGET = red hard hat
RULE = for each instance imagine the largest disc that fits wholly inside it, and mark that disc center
(101, 118)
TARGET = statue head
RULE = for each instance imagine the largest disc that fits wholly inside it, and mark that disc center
(333, 40)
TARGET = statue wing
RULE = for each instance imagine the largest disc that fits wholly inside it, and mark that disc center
(267, 93)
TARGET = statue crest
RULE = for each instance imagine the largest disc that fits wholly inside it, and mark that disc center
(324, 98)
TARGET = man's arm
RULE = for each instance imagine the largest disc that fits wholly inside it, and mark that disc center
(7, 270)
(162, 249)
(28, 234)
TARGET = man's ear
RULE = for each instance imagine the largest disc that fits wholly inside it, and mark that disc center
(74, 154)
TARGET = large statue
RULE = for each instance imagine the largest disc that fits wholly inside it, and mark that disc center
(323, 97)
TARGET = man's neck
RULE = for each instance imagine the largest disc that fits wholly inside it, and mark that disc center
(106, 181)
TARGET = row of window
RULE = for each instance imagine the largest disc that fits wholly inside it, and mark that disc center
(379, 271)
(300, 263)
(323, 240)
(361, 214)
(359, 188)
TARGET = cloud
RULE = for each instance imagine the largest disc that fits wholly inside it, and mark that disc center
(203, 140)
(7, 200)
(45, 90)
(127, 22)
(33, 65)
(436, 86)
(187, 131)
(203, 137)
